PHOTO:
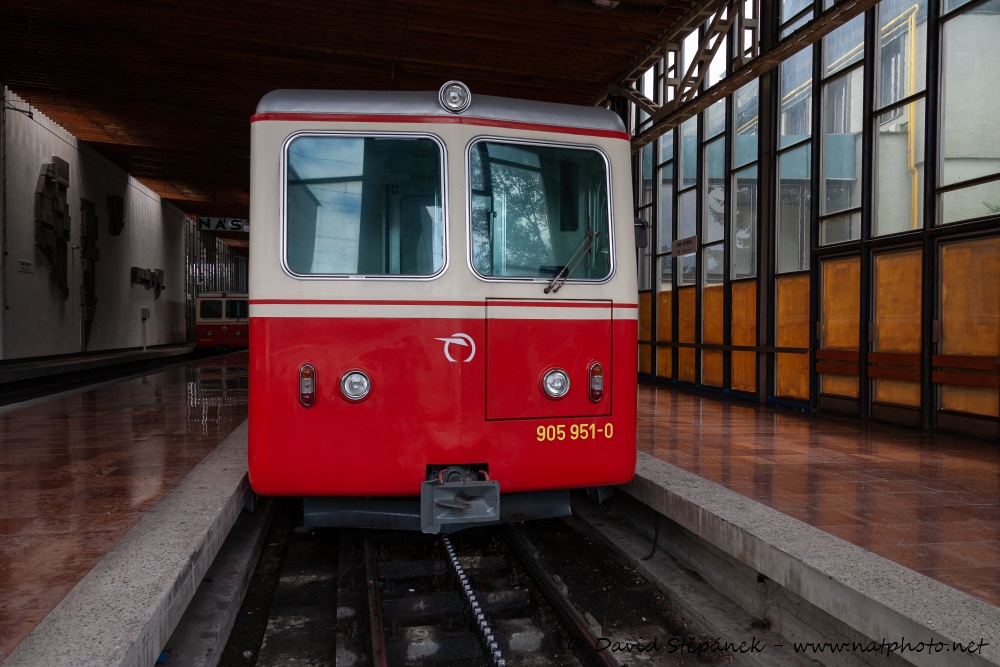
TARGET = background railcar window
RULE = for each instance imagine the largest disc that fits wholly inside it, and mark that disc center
(211, 309)
(364, 206)
(533, 208)
(236, 309)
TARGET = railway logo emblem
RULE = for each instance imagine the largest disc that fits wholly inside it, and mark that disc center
(458, 339)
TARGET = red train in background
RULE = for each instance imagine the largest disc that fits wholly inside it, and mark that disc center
(222, 321)
(443, 305)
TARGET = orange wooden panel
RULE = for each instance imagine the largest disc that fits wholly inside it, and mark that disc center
(645, 316)
(711, 314)
(841, 304)
(743, 371)
(664, 363)
(970, 320)
(744, 312)
(793, 312)
(897, 392)
(645, 359)
(970, 298)
(897, 301)
(665, 316)
(711, 368)
(792, 376)
(686, 322)
(686, 359)
(975, 400)
(897, 327)
(839, 385)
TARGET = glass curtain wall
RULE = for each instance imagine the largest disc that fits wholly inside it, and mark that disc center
(856, 267)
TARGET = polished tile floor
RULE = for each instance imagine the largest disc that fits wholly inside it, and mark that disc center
(78, 471)
(928, 501)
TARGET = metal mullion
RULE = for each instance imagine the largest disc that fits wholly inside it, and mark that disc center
(727, 212)
(900, 103)
(844, 71)
(867, 213)
(929, 305)
(957, 11)
(970, 183)
(815, 177)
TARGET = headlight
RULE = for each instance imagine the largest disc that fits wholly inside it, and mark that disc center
(355, 385)
(455, 97)
(556, 383)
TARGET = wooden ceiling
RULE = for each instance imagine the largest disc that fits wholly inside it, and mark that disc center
(166, 88)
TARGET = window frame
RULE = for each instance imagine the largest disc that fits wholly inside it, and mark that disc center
(361, 134)
(544, 280)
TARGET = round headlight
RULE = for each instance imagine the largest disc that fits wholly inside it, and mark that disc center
(355, 385)
(455, 97)
(556, 383)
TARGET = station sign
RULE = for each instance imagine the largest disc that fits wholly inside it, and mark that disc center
(224, 225)
(684, 246)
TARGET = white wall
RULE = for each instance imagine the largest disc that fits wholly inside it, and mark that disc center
(38, 322)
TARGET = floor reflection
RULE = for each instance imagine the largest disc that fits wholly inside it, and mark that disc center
(77, 472)
(929, 501)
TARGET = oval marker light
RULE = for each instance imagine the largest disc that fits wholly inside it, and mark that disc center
(596, 382)
(454, 97)
(555, 383)
(307, 385)
(355, 385)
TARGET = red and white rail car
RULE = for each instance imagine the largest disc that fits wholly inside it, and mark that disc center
(221, 321)
(443, 305)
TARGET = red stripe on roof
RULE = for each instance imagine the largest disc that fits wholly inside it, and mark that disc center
(439, 120)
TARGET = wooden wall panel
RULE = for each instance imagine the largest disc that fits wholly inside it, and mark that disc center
(970, 318)
(687, 323)
(897, 320)
(645, 332)
(743, 365)
(711, 368)
(665, 316)
(711, 314)
(792, 330)
(664, 333)
(712, 303)
(840, 316)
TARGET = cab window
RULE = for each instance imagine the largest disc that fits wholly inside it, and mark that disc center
(537, 209)
(369, 206)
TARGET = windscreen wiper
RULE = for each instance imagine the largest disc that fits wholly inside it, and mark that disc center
(581, 251)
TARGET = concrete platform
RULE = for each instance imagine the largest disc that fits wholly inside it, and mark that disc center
(33, 369)
(125, 609)
(843, 604)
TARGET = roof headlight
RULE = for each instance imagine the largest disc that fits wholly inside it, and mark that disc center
(555, 383)
(455, 97)
(355, 385)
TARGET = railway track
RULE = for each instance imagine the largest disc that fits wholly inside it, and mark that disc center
(467, 599)
(537, 594)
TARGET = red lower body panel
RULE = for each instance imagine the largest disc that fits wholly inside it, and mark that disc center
(213, 336)
(432, 383)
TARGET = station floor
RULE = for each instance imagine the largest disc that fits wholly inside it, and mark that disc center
(928, 501)
(78, 471)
